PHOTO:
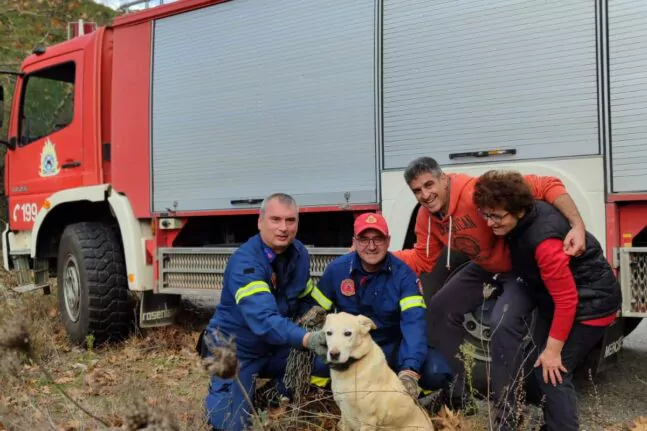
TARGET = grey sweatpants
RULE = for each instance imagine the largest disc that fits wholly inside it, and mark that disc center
(510, 322)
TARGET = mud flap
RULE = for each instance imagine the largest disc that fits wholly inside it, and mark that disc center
(611, 344)
(158, 309)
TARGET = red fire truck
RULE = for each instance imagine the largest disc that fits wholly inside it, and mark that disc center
(143, 168)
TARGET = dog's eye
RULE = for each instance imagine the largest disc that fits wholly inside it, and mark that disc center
(329, 333)
(348, 333)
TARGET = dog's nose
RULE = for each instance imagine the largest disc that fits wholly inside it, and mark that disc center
(334, 354)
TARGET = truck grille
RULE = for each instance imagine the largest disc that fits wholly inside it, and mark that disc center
(196, 270)
(633, 280)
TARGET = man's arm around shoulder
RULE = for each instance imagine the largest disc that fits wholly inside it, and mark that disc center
(553, 191)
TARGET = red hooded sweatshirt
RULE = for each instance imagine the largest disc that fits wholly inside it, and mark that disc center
(465, 229)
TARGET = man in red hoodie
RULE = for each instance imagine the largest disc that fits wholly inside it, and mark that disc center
(448, 218)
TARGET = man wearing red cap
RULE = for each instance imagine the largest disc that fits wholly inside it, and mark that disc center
(373, 282)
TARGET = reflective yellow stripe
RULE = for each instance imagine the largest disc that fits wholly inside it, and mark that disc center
(412, 301)
(251, 289)
(424, 391)
(321, 299)
(309, 288)
(322, 382)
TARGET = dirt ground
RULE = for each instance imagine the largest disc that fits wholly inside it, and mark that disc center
(620, 393)
(155, 379)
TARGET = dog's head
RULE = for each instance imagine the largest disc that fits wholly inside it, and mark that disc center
(347, 336)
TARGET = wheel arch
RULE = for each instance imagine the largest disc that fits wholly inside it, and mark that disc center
(94, 203)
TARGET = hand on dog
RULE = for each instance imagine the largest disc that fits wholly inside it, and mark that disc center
(317, 343)
(410, 381)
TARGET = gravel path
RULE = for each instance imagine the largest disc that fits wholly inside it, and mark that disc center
(620, 394)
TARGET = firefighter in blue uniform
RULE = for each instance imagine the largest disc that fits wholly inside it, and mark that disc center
(373, 282)
(265, 285)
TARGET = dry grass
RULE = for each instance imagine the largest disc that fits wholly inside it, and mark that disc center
(152, 381)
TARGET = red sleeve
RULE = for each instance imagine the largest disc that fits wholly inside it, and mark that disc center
(557, 276)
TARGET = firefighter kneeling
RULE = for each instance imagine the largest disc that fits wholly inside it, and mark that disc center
(373, 282)
(265, 285)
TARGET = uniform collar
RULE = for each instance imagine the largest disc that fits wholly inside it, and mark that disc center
(356, 264)
(270, 254)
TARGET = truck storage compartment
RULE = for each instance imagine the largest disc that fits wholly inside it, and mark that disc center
(254, 97)
(481, 75)
(628, 93)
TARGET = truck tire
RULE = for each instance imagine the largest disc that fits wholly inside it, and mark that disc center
(92, 283)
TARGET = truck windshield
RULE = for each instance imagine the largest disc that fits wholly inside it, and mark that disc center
(48, 102)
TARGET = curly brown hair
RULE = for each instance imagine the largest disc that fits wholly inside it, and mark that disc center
(506, 190)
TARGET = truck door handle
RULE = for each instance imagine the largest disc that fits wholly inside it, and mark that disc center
(70, 165)
(245, 201)
(487, 153)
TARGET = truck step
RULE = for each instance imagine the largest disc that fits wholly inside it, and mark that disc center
(30, 287)
(29, 279)
(186, 271)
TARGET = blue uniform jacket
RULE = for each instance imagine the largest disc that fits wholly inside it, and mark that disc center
(391, 298)
(257, 305)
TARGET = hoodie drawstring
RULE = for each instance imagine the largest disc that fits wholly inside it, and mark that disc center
(428, 233)
(449, 242)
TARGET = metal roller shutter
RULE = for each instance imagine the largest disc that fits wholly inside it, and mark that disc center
(463, 76)
(252, 97)
(628, 81)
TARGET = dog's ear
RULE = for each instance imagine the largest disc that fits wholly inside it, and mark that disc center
(365, 324)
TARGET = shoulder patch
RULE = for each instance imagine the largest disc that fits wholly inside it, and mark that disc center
(249, 271)
(347, 287)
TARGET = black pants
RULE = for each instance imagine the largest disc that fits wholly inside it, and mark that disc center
(560, 404)
(462, 294)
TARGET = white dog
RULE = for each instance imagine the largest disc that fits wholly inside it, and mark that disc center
(368, 393)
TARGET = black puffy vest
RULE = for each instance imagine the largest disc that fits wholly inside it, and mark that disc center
(597, 287)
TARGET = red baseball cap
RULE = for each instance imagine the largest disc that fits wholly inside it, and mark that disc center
(371, 221)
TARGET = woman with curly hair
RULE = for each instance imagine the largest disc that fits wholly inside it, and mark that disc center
(576, 297)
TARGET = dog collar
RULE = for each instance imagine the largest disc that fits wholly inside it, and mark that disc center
(346, 365)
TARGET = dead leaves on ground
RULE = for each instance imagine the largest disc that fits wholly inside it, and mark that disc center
(448, 420)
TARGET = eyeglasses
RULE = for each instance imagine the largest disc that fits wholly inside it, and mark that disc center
(496, 218)
(378, 241)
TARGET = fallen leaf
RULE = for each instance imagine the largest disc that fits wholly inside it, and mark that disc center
(70, 426)
(64, 380)
(448, 420)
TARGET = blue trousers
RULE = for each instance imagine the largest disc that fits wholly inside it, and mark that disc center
(435, 372)
(226, 405)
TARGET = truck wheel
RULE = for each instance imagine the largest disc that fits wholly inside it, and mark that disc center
(92, 283)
